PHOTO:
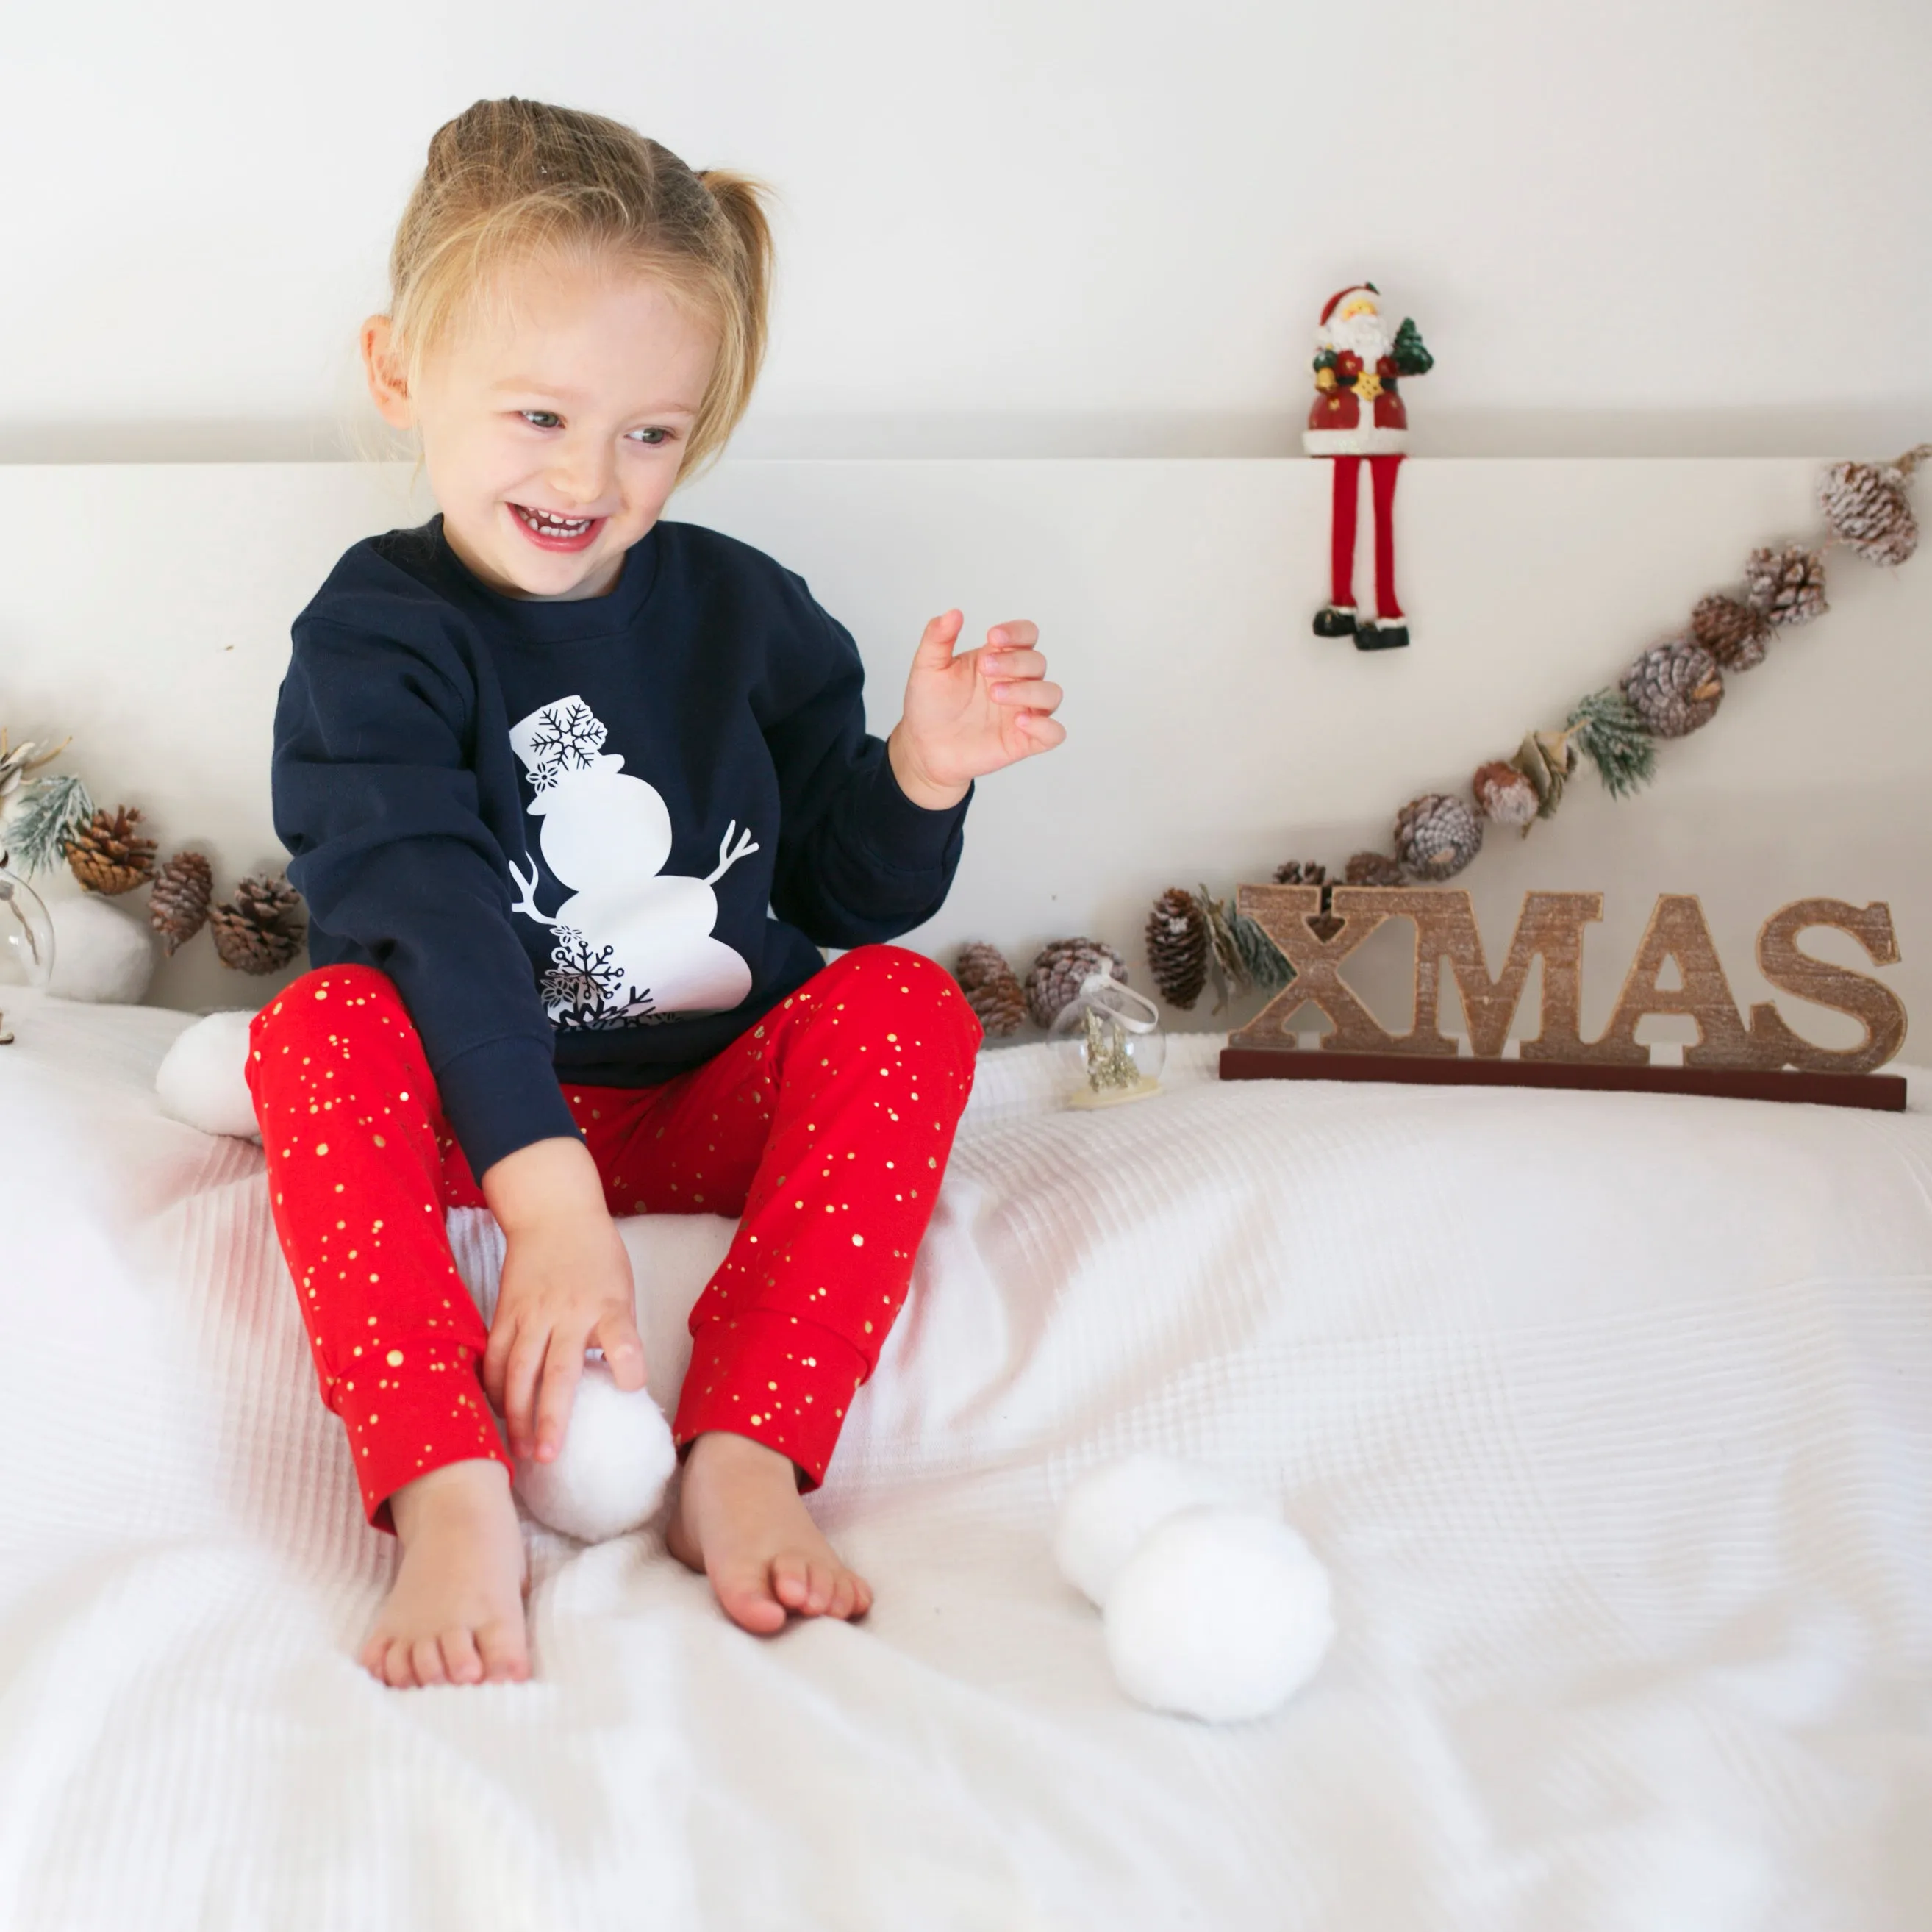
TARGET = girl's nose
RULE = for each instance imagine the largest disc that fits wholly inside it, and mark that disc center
(582, 472)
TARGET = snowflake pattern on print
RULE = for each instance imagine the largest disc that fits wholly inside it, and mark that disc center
(566, 737)
(632, 945)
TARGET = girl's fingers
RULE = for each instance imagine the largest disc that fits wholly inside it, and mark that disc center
(937, 639)
(496, 1355)
(996, 664)
(1043, 733)
(1020, 632)
(519, 1382)
(1038, 695)
(563, 1368)
(617, 1335)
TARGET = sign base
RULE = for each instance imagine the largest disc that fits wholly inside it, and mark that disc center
(1883, 1091)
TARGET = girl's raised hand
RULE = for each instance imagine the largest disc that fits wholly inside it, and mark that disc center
(970, 713)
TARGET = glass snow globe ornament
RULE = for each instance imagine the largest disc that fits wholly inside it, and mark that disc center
(26, 940)
(1108, 1043)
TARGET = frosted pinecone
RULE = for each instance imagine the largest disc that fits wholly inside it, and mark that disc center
(992, 989)
(1436, 835)
(1735, 634)
(1055, 977)
(1675, 688)
(178, 906)
(1787, 585)
(1372, 868)
(1177, 946)
(1866, 506)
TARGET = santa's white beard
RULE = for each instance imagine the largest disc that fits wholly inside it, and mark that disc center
(1363, 334)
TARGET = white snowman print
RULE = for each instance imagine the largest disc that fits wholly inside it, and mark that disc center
(633, 946)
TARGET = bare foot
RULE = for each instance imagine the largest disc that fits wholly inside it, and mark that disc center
(740, 1519)
(454, 1614)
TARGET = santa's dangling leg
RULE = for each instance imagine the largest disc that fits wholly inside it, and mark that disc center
(1336, 618)
(1389, 631)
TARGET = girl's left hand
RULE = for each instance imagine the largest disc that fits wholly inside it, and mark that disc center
(969, 714)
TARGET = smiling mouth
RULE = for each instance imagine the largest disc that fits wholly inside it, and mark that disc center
(557, 532)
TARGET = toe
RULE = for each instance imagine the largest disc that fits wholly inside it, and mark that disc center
(396, 1666)
(506, 1658)
(426, 1661)
(372, 1654)
(844, 1595)
(746, 1598)
(791, 1580)
(862, 1596)
(820, 1580)
(460, 1663)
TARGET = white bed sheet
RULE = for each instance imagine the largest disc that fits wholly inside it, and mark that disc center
(1613, 1415)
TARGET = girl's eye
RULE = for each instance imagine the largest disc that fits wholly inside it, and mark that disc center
(651, 436)
(541, 418)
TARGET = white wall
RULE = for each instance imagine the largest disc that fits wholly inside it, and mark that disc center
(1025, 227)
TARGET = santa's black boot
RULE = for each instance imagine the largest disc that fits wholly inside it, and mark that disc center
(1378, 636)
(1335, 620)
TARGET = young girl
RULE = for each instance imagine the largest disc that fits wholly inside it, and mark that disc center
(574, 795)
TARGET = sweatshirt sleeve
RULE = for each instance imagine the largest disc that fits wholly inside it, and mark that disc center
(858, 861)
(375, 799)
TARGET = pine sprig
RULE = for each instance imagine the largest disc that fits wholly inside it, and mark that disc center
(1266, 965)
(46, 813)
(1614, 738)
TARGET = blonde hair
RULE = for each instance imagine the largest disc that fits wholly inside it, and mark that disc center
(510, 180)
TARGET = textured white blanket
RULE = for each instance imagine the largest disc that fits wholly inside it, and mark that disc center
(1613, 1415)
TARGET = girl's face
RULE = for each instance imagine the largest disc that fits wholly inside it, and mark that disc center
(553, 422)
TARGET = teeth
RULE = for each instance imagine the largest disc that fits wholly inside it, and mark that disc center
(549, 524)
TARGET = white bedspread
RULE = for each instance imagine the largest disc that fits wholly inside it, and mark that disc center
(1613, 1415)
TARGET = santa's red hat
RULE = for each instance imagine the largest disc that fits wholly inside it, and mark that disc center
(1335, 301)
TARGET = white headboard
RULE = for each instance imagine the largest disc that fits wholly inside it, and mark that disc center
(145, 609)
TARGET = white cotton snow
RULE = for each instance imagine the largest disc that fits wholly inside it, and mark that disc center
(610, 1475)
(102, 955)
(1108, 1513)
(1213, 1607)
(204, 1081)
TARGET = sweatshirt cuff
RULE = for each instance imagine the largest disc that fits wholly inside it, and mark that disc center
(904, 836)
(502, 1095)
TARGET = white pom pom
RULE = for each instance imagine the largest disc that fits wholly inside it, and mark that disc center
(1108, 1512)
(1219, 1616)
(204, 1081)
(609, 1476)
(101, 954)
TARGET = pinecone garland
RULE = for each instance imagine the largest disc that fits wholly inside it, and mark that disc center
(1734, 634)
(1178, 947)
(1787, 585)
(1505, 794)
(1675, 688)
(259, 930)
(1372, 868)
(1436, 835)
(992, 989)
(178, 906)
(1300, 872)
(1864, 504)
(107, 856)
(1055, 977)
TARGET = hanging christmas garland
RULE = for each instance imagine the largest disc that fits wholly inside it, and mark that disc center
(1670, 691)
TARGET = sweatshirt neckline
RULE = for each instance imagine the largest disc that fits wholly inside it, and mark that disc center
(543, 621)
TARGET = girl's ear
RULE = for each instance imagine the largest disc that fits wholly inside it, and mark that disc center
(388, 386)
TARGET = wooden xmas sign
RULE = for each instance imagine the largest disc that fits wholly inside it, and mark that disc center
(1760, 1059)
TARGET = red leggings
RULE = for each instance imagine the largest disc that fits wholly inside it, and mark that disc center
(825, 1127)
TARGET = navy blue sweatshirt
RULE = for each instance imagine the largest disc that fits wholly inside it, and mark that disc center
(591, 841)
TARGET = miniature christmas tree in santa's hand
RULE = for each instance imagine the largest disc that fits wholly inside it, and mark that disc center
(1358, 411)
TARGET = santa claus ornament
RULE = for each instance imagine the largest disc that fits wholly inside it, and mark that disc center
(1358, 412)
